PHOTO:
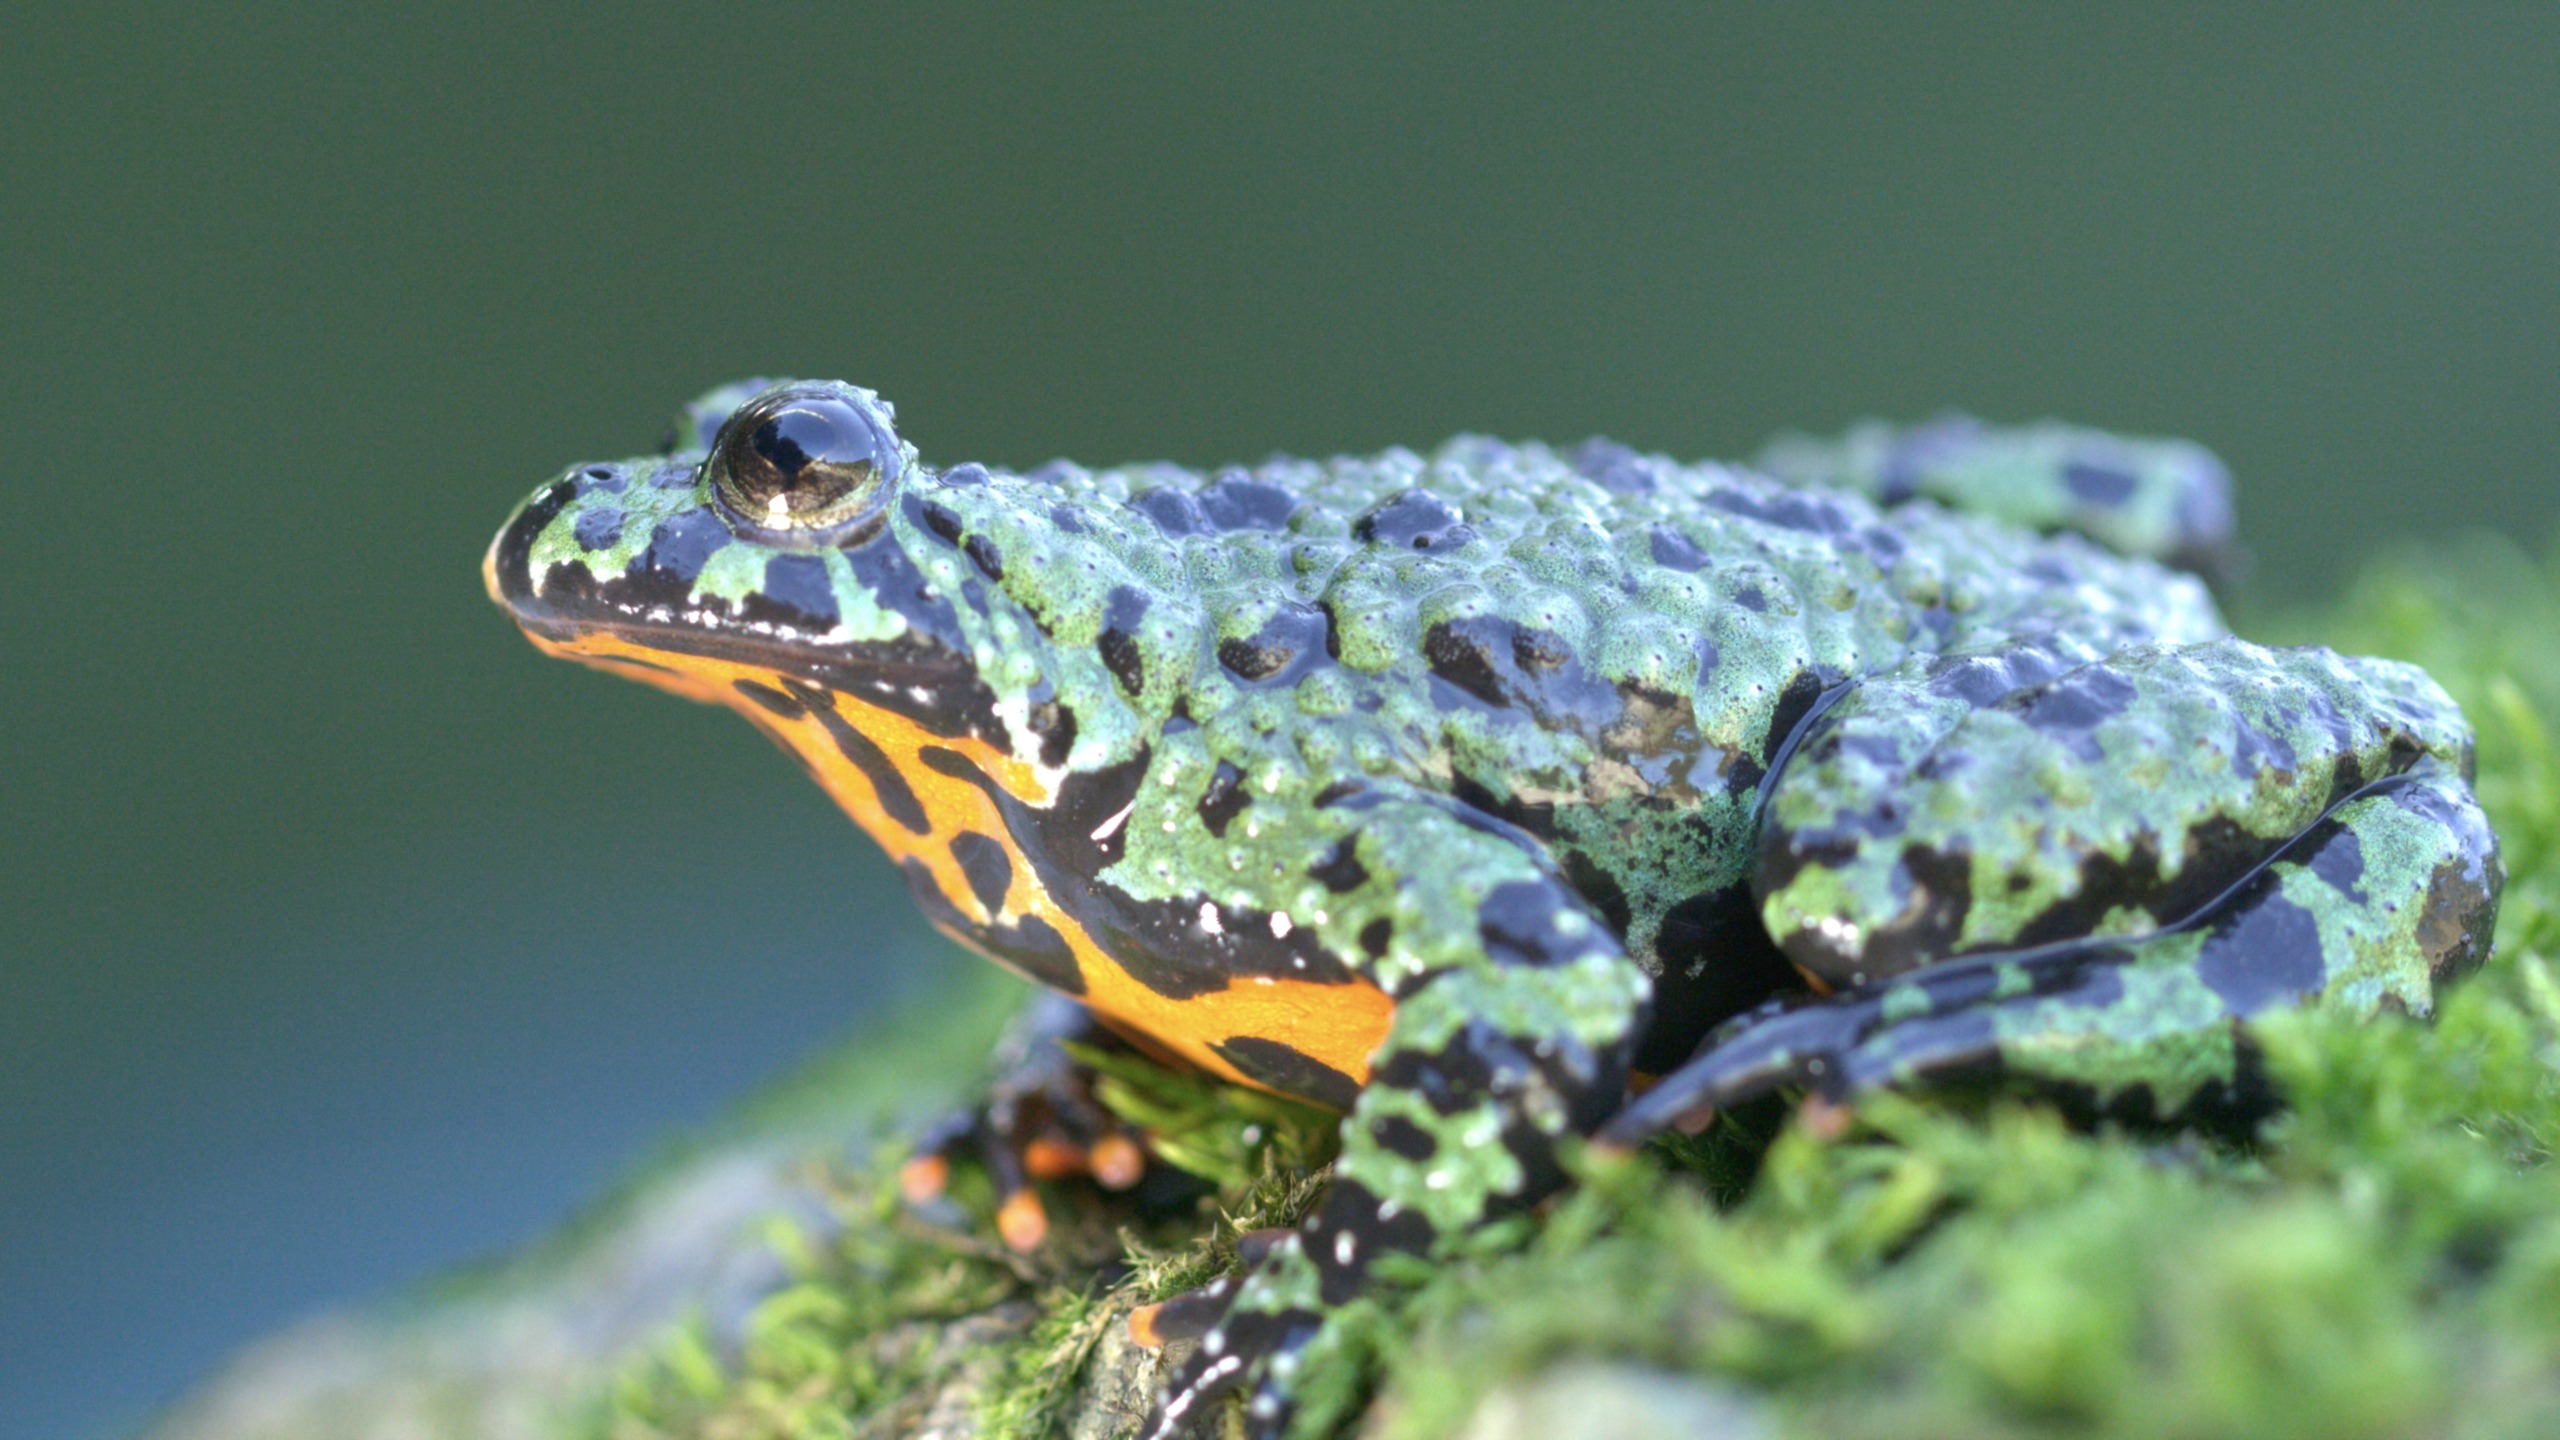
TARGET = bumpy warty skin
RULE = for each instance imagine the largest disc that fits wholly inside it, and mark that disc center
(1448, 790)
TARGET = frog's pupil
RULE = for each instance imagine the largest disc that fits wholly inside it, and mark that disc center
(814, 432)
(807, 454)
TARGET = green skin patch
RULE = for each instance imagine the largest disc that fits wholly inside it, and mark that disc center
(1452, 789)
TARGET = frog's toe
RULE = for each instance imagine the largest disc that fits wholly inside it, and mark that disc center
(1021, 1139)
(1187, 1316)
(1238, 1346)
(1038, 1122)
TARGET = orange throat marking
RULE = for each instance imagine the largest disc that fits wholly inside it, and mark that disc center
(1339, 1026)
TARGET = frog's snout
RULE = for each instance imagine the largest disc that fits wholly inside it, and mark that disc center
(489, 565)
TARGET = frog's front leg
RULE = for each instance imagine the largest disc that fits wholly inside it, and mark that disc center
(2088, 878)
(1515, 1012)
(1038, 1120)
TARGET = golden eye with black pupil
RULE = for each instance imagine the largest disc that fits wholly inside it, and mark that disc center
(802, 460)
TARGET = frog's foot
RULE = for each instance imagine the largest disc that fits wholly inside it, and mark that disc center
(1039, 1121)
(1193, 1313)
(2392, 891)
(1255, 1329)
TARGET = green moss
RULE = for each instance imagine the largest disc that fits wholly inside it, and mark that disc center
(2382, 1260)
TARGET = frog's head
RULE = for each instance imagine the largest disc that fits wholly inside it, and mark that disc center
(762, 562)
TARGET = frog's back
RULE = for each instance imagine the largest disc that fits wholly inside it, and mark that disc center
(1558, 627)
(1547, 595)
(1606, 648)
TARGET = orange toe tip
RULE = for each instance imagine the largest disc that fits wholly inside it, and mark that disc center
(923, 1178)
(1823, 1119)
(1022, 1222)
(1048, 1158)
(1143, 1331)
(1117, 1162)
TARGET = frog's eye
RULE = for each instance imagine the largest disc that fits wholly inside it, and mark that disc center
(806, 458)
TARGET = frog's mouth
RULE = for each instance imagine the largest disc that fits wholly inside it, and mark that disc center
(650, 624)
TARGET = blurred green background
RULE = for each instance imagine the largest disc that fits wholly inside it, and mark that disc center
(345, 937)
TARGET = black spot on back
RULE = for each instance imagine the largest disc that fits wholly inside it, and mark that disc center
(1123, 610)
(1055, 724)
(1297, 638)
(1805, 510)
(1613, 466)
(2266, 954)
(2099, 484)
(1517, 923)
(1175, 512)
(1224, 800)
(1340, 870)
(1519, 667)
(2073, 704)
(1374, 937)
(1237, 501)
(1675, 550)
(983, 553)
(1414, 520)
(2339, 861)
(1402, 1137)
(941, 520)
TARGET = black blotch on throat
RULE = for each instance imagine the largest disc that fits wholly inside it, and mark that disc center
(989, 869)
(770, 699)
(897, 799)
(1289, 1070)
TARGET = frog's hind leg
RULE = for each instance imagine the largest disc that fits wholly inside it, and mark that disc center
(2166, 499)
(2392, 891)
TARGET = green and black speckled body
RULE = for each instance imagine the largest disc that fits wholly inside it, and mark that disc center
(1449, 789)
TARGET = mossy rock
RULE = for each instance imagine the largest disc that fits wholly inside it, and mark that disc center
(2382, 1260)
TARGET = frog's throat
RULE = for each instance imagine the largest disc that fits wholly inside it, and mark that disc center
(918, 823)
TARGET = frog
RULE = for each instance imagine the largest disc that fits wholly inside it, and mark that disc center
(1514, 800)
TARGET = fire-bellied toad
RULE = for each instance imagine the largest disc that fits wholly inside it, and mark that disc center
(1452, 790)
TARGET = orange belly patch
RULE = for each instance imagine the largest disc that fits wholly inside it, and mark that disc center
(1339, 1026)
